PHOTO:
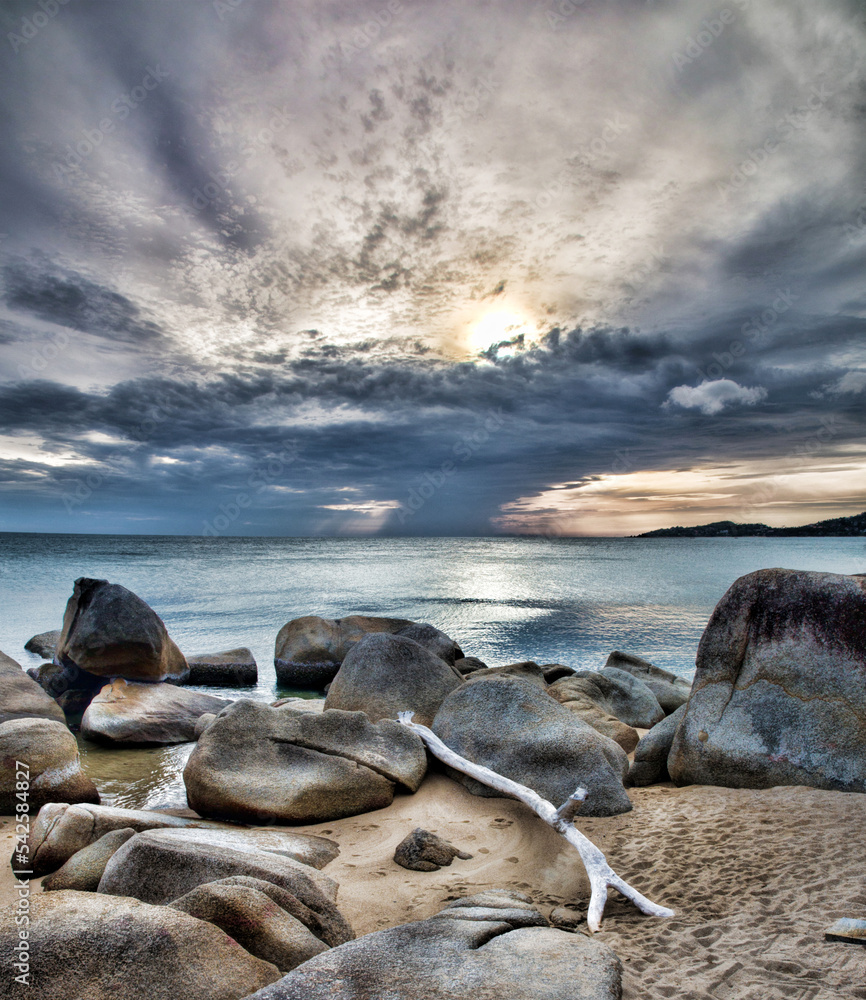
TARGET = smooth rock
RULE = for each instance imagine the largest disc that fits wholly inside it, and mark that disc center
(779, 696)
(157, 868)
(21, 697)
(314, 706)
(87, 946)
(383, 675)
(615, 692)
(467, 664)
(513, 727)
(670, 690)
(528, 670)
(456, 954)
(232, 668)
(317, 852)
(110, 632)
(60, 830)
(72, 688)
(554, 671)
(310, 650)
(202, 723)
(44, 644)
(422, 851)
(50, 754)
(650, 764)
(254, 920)
(86, 867)
(256, 763)
(128, 713)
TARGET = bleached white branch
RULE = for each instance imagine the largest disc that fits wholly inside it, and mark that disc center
(601, 875)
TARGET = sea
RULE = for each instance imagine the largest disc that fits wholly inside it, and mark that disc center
(503, 599)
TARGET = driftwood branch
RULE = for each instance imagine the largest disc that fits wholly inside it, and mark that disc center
(601, 875)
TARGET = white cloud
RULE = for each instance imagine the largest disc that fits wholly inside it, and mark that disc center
(712, 397)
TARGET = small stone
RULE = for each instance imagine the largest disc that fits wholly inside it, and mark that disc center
(566, 919)
(422, 851)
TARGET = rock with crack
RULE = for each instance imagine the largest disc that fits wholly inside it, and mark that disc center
(310, 650)
(670, 690)
(779, 695)
(594, 715)
(487, 947)
(49, 754)
(110, 632)
(258, 764)
(650, 764)
(21, 697)
(254, 920)
(385, 674)
(85, 868)
(515, 728)
(125, 713)
(422, 851)
(91, 946)
(60, 831)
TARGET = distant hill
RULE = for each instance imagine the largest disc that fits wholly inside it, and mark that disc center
(836, 526)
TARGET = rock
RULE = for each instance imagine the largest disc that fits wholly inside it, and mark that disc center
(157, 868)
(310, 650)
(110, 632)
(779, 696)
(469, 663)
(202, 724)
(670, 690)
(566, 918)
(125, 713)
(314, 706)
(511, 726)
(254, 920)
(650, 764)
(50, 753)
(554, 671)
(73, 689)
(615, 692)
(59, 831)
(385, 674)
(527, 670)
(484, 951)
(233, 668)
(21, 697)
(256, 763)
(332, 930)
(86, 946)
(603, 722)
(44, 644)
(85, 868)
(423, 851)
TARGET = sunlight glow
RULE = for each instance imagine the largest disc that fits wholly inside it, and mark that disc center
(494, 327)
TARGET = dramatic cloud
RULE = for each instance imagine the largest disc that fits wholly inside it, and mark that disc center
(433, 267)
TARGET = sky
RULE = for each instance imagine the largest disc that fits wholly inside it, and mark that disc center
(431, 268)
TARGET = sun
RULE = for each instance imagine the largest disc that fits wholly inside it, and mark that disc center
(494, 327)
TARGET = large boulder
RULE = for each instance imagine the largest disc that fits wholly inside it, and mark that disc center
(490, 946)
(44, 644)
(593, 715)
(614, 691)
(257, 764)
(309, 650)
(650, 764)
(60, 831)
(670, 690)
(110, 632)
(157, 868)
(231, 668)
(84, 870)
(21, 697)
(72, 688)
(125, 713)
(385, 674)
(779, 696)
(86, 946)
(513, 727)
(47, 753)
(254, 920)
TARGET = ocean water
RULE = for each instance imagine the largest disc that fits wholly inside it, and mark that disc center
(567, 601)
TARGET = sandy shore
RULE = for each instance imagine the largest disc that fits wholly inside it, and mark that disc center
(754, 877)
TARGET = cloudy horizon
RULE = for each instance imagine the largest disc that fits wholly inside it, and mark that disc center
(398, 268)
